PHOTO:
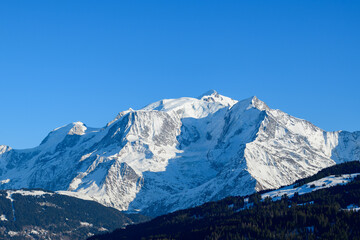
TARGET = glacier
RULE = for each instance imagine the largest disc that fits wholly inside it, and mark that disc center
(178, 153)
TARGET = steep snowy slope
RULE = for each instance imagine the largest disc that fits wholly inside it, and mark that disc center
(178, 153)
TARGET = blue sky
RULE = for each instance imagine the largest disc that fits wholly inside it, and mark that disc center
(66, 61)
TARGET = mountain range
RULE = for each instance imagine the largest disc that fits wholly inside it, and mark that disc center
(178, 153)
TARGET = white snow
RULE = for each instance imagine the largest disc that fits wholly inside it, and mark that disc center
(186, 107)
(29, 192)
(289, 191)
(75, 183)
(213, 96)
(179, 153)
(86, 224)
(75, 194)
(4, 181)
(78, 128)
(326, 182)
(33, 231)
(4, 149)
(86, 156)
(48, 204)
(13, 233)
(8, 196)
(3, 217)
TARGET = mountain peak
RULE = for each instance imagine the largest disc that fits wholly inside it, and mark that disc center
(251, 103)
(77, 128)
(255, 103)
(4, 148)
(214, 96)
(209, 93)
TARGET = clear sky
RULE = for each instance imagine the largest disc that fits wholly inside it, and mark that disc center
(66, 61)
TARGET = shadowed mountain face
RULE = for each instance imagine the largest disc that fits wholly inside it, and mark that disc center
(178, 153)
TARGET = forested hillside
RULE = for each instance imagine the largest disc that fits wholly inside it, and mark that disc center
(329, 213)
(39, 214)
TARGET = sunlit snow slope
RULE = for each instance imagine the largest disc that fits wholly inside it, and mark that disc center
(178, 153)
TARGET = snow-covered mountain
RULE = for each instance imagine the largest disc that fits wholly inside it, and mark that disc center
(178, 153)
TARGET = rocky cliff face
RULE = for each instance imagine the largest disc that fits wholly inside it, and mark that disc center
(178, 153)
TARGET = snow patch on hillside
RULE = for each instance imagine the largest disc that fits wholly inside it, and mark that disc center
(326, 182)
(29, 192)
(75, 194)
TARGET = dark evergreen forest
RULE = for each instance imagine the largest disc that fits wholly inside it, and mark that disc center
(55, 216)
(321, 214)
